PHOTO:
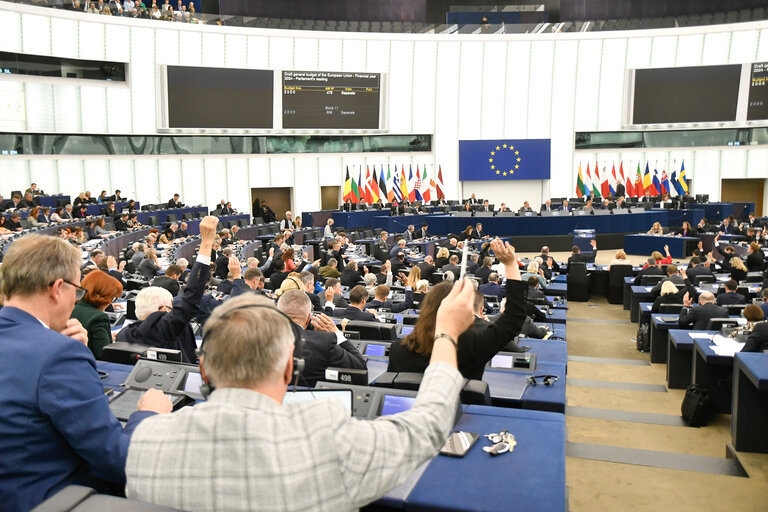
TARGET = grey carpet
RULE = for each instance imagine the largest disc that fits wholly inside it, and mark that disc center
(607, 360)
(679, 461)
(632, 386)
(597, 321)
(631, 416)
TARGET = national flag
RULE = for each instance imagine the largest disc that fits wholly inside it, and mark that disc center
(360, 185)
(674, 184)
(417, 185)
(348, 193)
(403, 184)
(397, 191)
(639, 189)
(383, 193)
(426, 193)
(629, 189)
(439, 184)
(596, 184)
(613, 180)
(664, 182)
(368, 192)
(580, 187)
(682, 179)
(390, 185)
(647, 184)
(411, 184)
(373, 186)
(656, 187)
(355, 195)
(588, 182)
(605, 185)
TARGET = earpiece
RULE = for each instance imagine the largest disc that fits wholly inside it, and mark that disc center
(298, 343)
(548, 380)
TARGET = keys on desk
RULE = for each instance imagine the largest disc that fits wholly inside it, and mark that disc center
(503, 442)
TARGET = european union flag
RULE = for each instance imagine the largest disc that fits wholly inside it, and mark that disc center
(504, 159)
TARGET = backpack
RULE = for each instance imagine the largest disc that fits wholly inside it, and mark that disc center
(643, 338)
(695, 407)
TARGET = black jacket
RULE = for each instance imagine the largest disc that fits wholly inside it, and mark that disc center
(171, 329)
(394, 307)
(170, 284)
(756, 262)
(147, 268)
(670, 298)
(321, 351)
(350, 277)
(696, 318)
(728, 298)
(222, 266)
(647, 271)
(581, 258)
(353, 313)
(758, 340)
(477, 345)
(426, 270)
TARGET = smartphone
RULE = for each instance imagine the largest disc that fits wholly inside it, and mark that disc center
(459, 443)
(464, 256)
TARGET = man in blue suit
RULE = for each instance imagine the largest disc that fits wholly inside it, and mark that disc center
(56, 428)
(492, 287)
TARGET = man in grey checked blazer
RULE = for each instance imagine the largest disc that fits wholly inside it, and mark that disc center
(244, 450)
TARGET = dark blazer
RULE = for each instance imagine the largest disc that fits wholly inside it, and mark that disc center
(647, 271)
(670, 298)
(350, 277)
(171, 329)
(580, 258)
(317, 304)
(440, 262)
(395, 307)
(147, 268)
(677, 279)
(756, 262)
(321, 351)
(727, 298)
(174, 204)
(353, 313)
(121, 225)
(698, 270)
(57, 429)
(426, 270)
(397, 266)
(420, 233)
(453, 268)
(477, 345)
(170, 284)
(476, 235)
(381, 250)
(483, 273)
(696, 318)
(96, 322)
(738, 275)
(492, 289)
(758, 340)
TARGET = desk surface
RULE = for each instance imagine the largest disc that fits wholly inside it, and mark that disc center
(755, 367)
(704, 347)
(549, 351)
(517, 480)
(681, 338)
(539, 397)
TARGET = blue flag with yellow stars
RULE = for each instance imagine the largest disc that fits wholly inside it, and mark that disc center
(504, 159)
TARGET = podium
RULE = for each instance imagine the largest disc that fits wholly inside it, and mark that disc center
(582, 238)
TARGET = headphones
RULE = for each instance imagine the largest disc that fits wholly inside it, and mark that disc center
(298, 344)
(548, 380)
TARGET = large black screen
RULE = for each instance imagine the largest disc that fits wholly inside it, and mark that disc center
(686, 95)
(219, 97)
(330, 100)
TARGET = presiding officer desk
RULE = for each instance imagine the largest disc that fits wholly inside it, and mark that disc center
(531, 477)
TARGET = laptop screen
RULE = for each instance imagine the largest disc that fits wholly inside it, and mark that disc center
(394, 404)
(375, 350)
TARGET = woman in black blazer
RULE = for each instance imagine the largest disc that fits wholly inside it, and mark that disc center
(687, 230)
(755, 258)
(443, 255)
(477, 345)
(738, 269)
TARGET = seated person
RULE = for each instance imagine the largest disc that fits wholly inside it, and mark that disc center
(670, 295)
(13, 223)
(477, 345)
(101, 290)
(57, 428)
(730, 296)
(351, 276)
(656, 229)
(697, 317)
(588, 207)
(755, 258)
(673, 275)
(159, 323)
(385, 276)
(324, 345)
(729, 227)
(149, 266)
(170, 281)
(764, 304)
(534, 293)
(485, 271)
(397, 263)
(441, 258)
(380, 294)
(422, 288)
(427, 267)
(620, 258)
(330, 270)
(452, 266)
(704, 227)
(577, 257)
(248, 357)
(697, 268)
(356, 309)
(687, 230)
(758, 338)
(738, 269)
(662, 260)
(533, 270)
(32, 219)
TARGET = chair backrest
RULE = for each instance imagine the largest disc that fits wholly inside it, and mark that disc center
(577, 271)
(617, 274)
(373, 330)
(715, 324)
(648, 280)
(172, 217)
(152, 220)
(703, 279)
(670, 308)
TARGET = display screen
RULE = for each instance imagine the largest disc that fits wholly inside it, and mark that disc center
(500, 361)
(193, 382)
(219, 98)
(407, 329)
(375, 350)
(758, 92)
(394, 404)
(308, 395)
(333, 100)
(686, 95)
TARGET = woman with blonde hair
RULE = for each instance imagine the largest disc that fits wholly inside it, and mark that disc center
(620, 258)
(738, 269)
(414, 276)
(292, 282)
(100, 290)
(656, 229)
(443, 254)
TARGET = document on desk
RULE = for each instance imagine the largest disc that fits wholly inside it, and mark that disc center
(724, 346)
(700, 335)
(649, 288)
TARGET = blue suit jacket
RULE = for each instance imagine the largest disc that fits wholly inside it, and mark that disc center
(56, 428)
(492, 289)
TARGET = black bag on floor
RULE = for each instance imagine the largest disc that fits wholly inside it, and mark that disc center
(643, 338)
(695, 408)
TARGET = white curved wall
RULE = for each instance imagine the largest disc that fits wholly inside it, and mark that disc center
(456, 87)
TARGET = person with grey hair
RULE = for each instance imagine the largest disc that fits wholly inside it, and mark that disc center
(534, 270)
(149, 266)
(57, 429)
(696, 318)
(370, 281)
(183, 263)
(308, 455)
(222, 262)
(324, 346)
(167, 325)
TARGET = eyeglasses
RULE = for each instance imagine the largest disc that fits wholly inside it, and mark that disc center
(168, 308)
(79, 290)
